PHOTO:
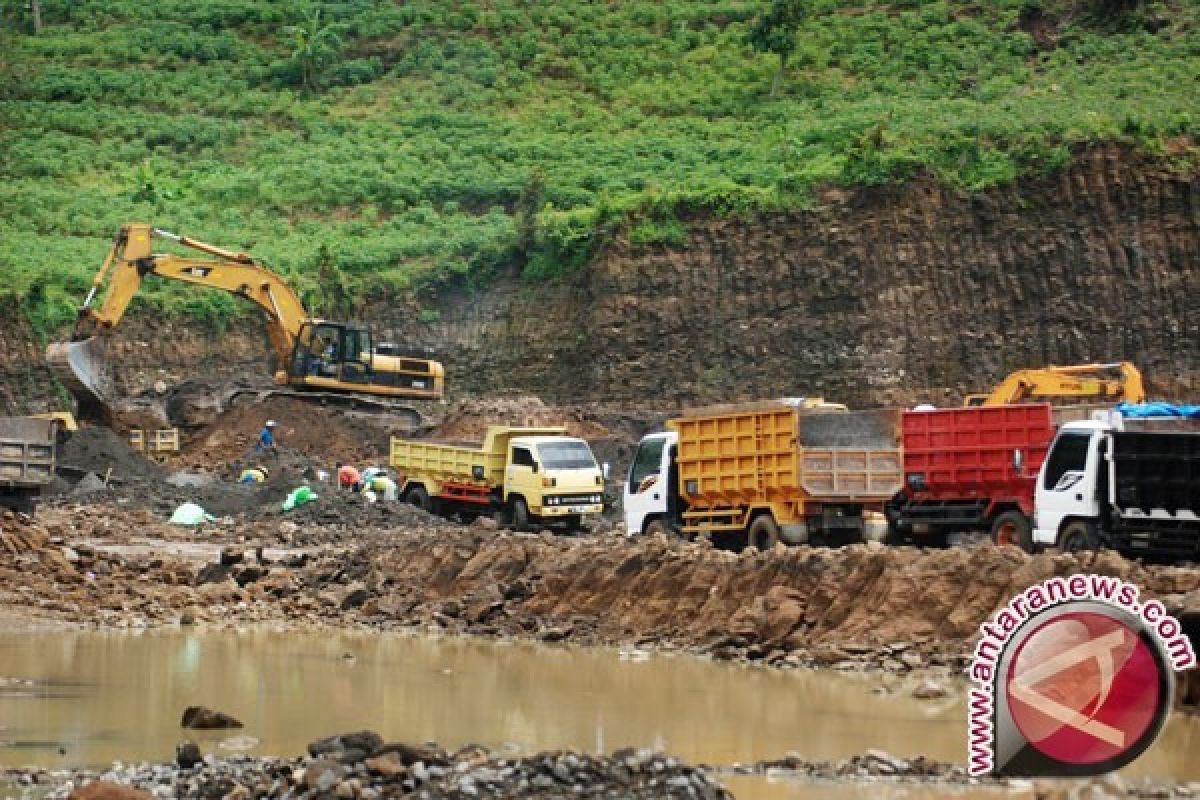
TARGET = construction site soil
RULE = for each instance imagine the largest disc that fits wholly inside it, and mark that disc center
(105, 556)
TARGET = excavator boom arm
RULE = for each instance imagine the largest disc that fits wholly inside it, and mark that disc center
(1080, 380)
(131, 259)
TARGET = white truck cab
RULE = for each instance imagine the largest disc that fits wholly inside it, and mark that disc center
(650, 495)
(1126, 483)
(1067, 486)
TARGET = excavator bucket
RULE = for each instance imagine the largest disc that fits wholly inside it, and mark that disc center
(80, 367)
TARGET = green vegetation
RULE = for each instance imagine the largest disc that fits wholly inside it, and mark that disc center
(418, 145)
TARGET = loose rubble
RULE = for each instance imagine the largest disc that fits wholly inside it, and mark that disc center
(362, 766)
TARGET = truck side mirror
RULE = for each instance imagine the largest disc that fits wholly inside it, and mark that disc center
(1018, 461)
(605, 469)
(534, 467)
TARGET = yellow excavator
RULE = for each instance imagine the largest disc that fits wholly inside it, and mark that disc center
(1117, 382)
(314, 358)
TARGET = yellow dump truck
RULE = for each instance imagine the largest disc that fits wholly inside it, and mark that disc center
(524, 477)
(754, 475)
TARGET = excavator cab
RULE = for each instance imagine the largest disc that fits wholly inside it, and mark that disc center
(336, 355)
(331, 352)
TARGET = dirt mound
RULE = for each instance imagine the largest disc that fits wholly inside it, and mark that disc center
(813, 605)
(468, 420)
(322, 434)
(97, 449)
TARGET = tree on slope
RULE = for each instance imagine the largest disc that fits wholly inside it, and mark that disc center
(775, 32)
(314, 48)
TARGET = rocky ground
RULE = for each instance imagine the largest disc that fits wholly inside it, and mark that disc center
(103, 554)
(342, 561)
(361, 765)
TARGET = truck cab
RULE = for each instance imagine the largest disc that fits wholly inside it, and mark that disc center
(554, 478)
(651, 495)
(1126, 482)
(1068, 485)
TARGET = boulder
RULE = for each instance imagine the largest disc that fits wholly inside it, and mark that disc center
(201, 718)
(349, 748)
(187, 755)
(322, 774)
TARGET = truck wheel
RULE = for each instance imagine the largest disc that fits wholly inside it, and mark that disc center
(764, 533)
(655, 527)
(520, 514)
(418, 497)
(1078, 536)
(896, 537)
(1012, 527)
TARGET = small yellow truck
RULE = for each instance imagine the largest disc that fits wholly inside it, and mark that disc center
(524, 477)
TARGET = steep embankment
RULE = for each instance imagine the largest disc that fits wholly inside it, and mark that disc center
(879, 297)
(882, 295)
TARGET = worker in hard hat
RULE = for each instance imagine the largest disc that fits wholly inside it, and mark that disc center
(266, 438)
(254, 475)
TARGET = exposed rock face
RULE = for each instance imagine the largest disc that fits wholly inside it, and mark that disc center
(26, 385)
(886, 295)
(883, 296)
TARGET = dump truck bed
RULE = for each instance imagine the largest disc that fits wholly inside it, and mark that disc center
(968, 452)
(26, 451)
(1157, 471)
(778, 454)
(469, 464)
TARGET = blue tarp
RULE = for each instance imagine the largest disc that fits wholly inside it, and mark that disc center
(1158, 410)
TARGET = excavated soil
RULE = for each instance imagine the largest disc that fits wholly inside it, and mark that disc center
(468, 420)
(317, 432)
(98, 449)
(390, 566)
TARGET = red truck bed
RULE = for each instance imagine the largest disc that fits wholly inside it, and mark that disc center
(961, 453)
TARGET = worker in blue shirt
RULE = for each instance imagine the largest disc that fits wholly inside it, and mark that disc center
(266, 438)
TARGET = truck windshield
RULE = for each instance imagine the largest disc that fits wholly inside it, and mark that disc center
(1069, 453)
(566, 455)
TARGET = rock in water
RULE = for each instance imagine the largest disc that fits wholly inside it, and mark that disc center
(202, 718)
(187, 755)
(929, 690)
(349, 748)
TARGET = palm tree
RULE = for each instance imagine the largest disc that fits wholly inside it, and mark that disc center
(314, 47)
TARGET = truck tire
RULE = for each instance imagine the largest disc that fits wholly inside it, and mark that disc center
(896, 536)
(655, 527)
(763, 533)
(1013, 527)
(520, 514)
(1077, 536)
(420, 498)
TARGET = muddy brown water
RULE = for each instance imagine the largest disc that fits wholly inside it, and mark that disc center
(74, 698)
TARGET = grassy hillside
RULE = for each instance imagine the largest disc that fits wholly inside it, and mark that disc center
(448, 140)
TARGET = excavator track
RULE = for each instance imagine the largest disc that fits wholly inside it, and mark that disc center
(411, 417)
(80, 367)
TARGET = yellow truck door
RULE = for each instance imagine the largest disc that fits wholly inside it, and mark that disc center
(521, 477)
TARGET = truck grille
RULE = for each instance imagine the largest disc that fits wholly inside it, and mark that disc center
(574, 499)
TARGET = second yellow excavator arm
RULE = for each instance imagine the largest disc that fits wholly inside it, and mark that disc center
(131, 259)
(1081, 380)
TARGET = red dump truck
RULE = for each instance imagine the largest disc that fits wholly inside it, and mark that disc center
(970, 469)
